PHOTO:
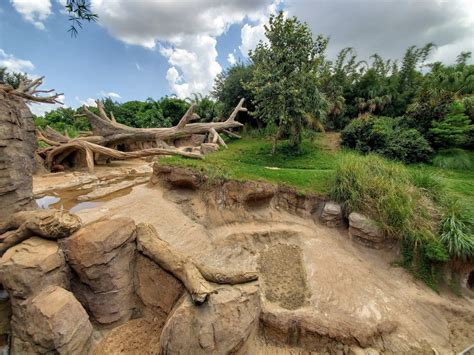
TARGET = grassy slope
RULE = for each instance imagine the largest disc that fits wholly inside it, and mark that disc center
(310, 171)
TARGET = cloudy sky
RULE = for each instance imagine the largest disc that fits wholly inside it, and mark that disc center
(151, 48)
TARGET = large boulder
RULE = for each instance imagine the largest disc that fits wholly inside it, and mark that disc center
(365, 231)
(53, 321)
(222, 325)
(177, 177)
(331, 215)
(102, 255)
(156, 288)
(32, 265)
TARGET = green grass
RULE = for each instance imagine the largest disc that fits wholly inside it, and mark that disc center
(310, 170)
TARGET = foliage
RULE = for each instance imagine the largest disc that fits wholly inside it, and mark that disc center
(457, 232)
(454, 159)
(229, 88)
(284, 77)
(12, 79)
(453, 129)
(78, 11)
(62, 119)
(385, 136)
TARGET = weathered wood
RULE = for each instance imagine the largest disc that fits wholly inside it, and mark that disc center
(181, 266)
(46, 223)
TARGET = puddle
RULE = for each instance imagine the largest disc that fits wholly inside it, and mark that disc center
(67, 199)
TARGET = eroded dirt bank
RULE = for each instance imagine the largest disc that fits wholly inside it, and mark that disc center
(317, 290)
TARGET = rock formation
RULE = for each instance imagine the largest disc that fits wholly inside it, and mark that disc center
(18, 144)
(365, 231)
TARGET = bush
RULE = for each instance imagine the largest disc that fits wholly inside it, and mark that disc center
(406, 145)
(457, 232)
(453, 159)
(400, 203)
(385, 136)
(454, 129)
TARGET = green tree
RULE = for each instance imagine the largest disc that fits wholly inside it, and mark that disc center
(454, 129)
(229, 89)
(284, 80)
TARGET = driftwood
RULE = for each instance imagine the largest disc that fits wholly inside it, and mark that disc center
(173, 261)
(49, 223)
(107, 133)
(115, 133)
(28, 90)
(195, 276)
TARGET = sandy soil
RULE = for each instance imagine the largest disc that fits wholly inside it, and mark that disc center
(345, 282)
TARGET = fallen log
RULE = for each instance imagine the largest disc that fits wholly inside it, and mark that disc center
(116, 133)
(47, 223)
(195, 276)
(173, 261)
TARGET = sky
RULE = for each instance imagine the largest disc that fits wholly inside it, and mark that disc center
(152, 48)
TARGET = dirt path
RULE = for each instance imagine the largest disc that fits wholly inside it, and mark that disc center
(332, 141)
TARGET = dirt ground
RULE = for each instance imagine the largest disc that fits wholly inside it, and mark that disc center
(336, 281)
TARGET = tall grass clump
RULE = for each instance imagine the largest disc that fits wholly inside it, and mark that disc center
(455, 159)
(400, 203)
(457, 232)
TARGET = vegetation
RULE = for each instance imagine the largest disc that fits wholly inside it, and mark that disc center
(387, 137)
(284, 78)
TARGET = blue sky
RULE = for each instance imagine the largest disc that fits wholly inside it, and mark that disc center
(152, 48)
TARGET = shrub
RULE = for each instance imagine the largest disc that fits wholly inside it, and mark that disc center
(453, 159)
(406, 145)
(385, 136)
(457, 232)
(400, 203)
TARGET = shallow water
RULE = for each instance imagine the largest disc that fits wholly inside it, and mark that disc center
(67, 200)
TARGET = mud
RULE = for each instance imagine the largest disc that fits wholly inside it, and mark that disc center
(282, 276)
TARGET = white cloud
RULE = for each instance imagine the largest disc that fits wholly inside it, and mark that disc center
(231, 59)
(39, 109)
(34, 11)
(111, 94)
(184, 31)
(14, 64)
(252, 34)
(88, 102)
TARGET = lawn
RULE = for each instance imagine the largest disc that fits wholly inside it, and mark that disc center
(310, 170)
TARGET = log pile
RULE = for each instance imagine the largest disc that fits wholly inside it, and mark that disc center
(108, 135)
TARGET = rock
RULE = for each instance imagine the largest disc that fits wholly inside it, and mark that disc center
(110, 189)
(179, 177)
(365, 231)
(17, 162)
(248, 193)
(332, 214)
(156, 288)
(53, 321)
(207, 148)
(101, 254)
(220, 326)
(193, 140)
(32, 265)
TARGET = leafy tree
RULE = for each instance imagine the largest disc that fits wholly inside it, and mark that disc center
(229, 89)
(454, 129)
(12, 79)
(173, 108)
(63, 119)
(284, 78)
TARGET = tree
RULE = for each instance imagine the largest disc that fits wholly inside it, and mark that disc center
(453, 130)
(284, 79)
(229, 89)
